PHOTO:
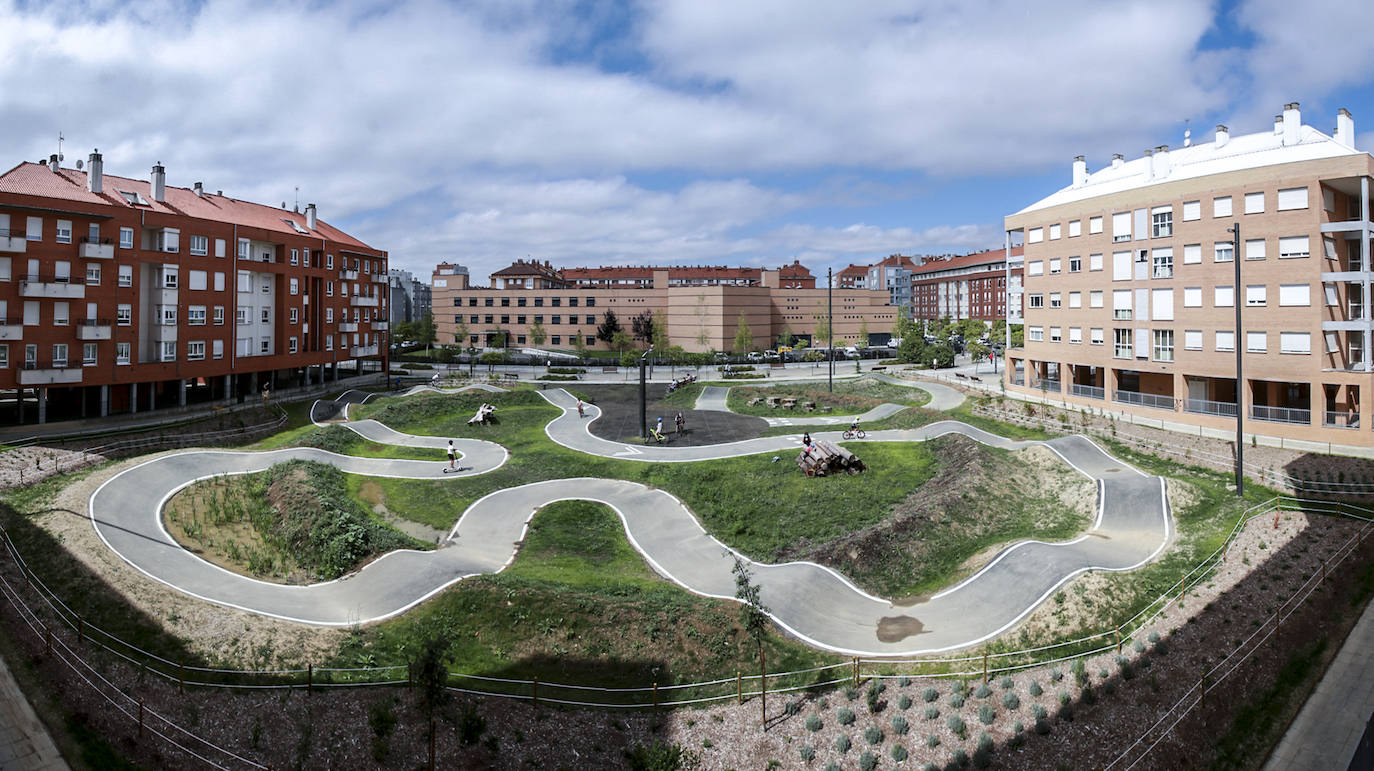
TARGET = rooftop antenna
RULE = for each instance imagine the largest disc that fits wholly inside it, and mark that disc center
(1187, 134)
(296, 207)
(60, 139)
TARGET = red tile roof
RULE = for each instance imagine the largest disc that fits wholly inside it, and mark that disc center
(70, 185)
(966, 260)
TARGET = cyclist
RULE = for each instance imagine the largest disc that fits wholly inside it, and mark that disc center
(854, 425)
(681, 423)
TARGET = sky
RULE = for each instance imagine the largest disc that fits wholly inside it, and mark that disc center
(675, 132)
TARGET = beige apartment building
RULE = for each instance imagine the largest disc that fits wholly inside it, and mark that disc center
(1130, 290)
(702, 305)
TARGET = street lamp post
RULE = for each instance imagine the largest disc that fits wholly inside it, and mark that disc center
(643, 398)
(1234, 230)
(830, 325)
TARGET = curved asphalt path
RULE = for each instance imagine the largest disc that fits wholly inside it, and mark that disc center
(942, 398)
(811, 601)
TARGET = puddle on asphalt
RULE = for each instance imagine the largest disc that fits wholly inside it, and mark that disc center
(893, 629)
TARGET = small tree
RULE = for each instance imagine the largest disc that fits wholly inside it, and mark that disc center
(754, 619)
(460, 334)
(538, 334)
(744, 339)
(785, 337)
(978, 351)
(620, 341)
(425, 333)
(580, 347)
(643, 327)
(606, 330)
(660, 338)
(822, 333)
(862, 342)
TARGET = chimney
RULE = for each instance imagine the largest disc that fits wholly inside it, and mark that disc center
(1117, 160)
(1345, 128)
(1162, 161)
(1223, 136)
(1292, 124)
(159, 183)
(52, 163)
(1149, 165)
(200, 190)
(310, 217)
(1080, 171)
(95, 173)
(1278, 125)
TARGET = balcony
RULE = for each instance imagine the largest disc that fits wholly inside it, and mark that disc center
(1209, 407)
(13, 242)
(379, 278)
(93, 329)
(93, 250)
(11, 329)
(363, 301)
(1046, 384)
(1157, 401)
(1018, 379)
(165, 333)
(348, 326)
(348, 275)
(1337, 419)
(51, 286)
(381, 325)
(51, 373)
(1281, 414)
(1088, 391)
(359, 351)
(162, 295)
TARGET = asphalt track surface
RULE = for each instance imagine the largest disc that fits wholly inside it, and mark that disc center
(810, 601)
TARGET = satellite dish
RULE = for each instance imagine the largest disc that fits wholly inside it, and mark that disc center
(79, 164)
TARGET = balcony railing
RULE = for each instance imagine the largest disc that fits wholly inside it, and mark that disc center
(348, 326)
(1209, 407)
(52, 285)
(11, 328)
(359, 351)
(363, 301)
(1046, 384)
(1281, 414)
(1090, 391)
(1337, 419)
(94, 329)
(1157, 401)
(381, 325)
(51, 372)
(13, 241)
(348, 275)
(1018, 379)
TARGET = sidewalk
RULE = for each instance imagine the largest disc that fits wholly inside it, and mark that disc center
(1327, 731)
(24, 742)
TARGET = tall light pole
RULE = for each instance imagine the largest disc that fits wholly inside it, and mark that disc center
(830, 326)
(643, 399)
(1234, 230)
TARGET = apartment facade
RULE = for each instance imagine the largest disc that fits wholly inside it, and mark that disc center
(702, 306)
(409, 297)
(971, 286)
(1131, 291)
(122, 295)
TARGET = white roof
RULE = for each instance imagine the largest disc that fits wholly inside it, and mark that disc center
(1250, 151)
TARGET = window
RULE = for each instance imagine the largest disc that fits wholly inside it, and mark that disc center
(1254, 249)
(1294, 247)
(122, 353)
(1056, 266)
(472, 319)
(1221, 207)
(1094, 225)
(1055, 300)
(555, 301)
(591, 319)
(124, 315)
(505, 319)
(1075, 228)
(1075, 264)
(219, 247)
(1095, 336)
(1075, 334)
(1223, 297)
(243, 249)
(1095, 298)
(1094, 262)
(1056, 334)
(169, 315)
(1122, 346)
(1256, 342)
(1163, 345)
(1162, 222)
(265, 345)
(61, 314)
(219, 281)
(1075, 299)
(1192, 297)
(1162, 305)
(1163, 263)
(1295, 294)
(1121, 227)
(590, 303)
(200, 246)
(4, 357)
(219, 314)
(64, 231)
(295, 256)
(1293, 198)
(218, 349)
(169, 277)
(30, 356)
(267, 314)
(291, 345)
(487, 319)
(266, 285)
(1192, 339)
(126, 238)
(5, 269)
(1223, 251)
(329, 289)
(1329, 245)
(1035, 334)
(1121, 266)
(295, 315)
(1192, 254)
(1295, 342)
(34, 230)
(1255, 295)
(555, 319)
(1192, 210)
(505, 302)
(1054, 232)
(195, 280)
(1121, 304)
(294, 286)
(31, 313)
(241, 315)
(195, 350)
(572, 302)
(169, 351)
(538, 302)
(59, 354)
(1254, 203)
(1035, 268)
(1035, 235)
(92, 274)
(329, 342)
(195, 315)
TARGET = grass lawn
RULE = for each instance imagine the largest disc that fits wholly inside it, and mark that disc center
(578, 605)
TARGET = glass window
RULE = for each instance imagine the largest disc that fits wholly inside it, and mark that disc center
(122, 353)
(1221, 207)
(126, 238)
(1254, 203)
(1223, 251)
(1163, 345)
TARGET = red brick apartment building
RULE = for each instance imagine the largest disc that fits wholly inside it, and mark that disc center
(123, 295)
(972, 286)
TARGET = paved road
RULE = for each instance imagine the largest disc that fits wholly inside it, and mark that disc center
(811, 601)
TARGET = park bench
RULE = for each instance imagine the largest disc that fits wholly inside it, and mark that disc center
(610, 369)
(776, 365)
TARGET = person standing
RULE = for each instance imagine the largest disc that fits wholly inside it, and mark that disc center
(680, 422)
(452, 456)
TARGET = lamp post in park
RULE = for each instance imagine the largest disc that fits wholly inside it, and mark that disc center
(643, 403)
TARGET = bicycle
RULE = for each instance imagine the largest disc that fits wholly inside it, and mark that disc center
(655, 436)
(855, 433)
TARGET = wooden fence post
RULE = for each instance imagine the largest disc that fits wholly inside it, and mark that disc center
(763, 689)
(855, 665)
(1202, 688)
(1118, 642)
(985, 666)
(181, 677)
(739, 689)
(309, 678)
(534, 691)
(655, 697)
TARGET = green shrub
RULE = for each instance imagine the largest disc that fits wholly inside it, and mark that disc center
(904, 682)
(1037, 711)
(956, 724)
(1017, 727)
(793, 707)
(1080, 672)
(899, 753)
(959, 758)
(1042, 726)
(813, 722)
(1056, 675)
(1007, 683)
(1153, 637)
(900, 726)
(956, 700)
(868, 761)
(1010, 700)
(1066, 713)
(833, 767)
(1138, 646)
(932, 712)
(851, 693)
(807, 753)
(930, 694)
(873, 735)
(845, 716)
(933, 741)
(987, 714)
(904, 702)
(983, 691)
(1035, 689)
(874, 691)
(659, 756)
(842, 744)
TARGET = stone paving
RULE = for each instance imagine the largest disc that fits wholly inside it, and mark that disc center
(24, 741)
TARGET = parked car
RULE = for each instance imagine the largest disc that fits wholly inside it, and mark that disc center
(755, 356)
